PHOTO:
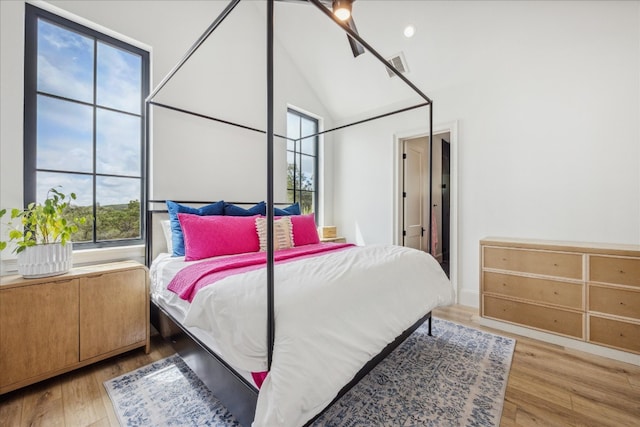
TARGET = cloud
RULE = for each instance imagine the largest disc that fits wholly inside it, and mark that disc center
(115, 191)
(118, 144)
(119, 79)
(65, 63)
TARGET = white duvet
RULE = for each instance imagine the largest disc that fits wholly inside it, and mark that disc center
(333, 313)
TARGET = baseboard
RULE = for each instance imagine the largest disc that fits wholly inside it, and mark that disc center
(586, 347)
(469, 298)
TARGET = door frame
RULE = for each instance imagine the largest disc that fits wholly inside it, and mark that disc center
(398, 168)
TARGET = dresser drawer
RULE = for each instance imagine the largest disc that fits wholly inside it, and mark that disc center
(614, 333)
(617, 301)
(557, 264)
(534, 289)
(615, 270)
(545, 318)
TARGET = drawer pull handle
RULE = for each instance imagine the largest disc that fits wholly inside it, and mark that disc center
(555, 265)
(621, 334)
(621, 303)
(95, 276)
(555, 292)
(622, 272)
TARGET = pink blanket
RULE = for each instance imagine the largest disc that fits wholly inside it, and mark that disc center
(196, 276)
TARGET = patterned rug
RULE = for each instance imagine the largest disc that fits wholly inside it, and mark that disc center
(457, 377)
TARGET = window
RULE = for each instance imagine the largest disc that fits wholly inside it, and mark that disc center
(84, 125)
(302, 160)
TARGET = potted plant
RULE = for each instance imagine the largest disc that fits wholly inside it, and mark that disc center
(42, 236)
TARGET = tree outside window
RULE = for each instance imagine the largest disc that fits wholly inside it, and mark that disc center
(302, 160)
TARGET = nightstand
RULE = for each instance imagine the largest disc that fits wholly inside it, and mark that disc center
(53, 325)
(334, 240)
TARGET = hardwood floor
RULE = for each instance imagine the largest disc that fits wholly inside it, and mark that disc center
(548, 386)
(78, 398)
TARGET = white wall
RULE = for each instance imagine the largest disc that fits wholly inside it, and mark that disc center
(191, 159)
(547, 101)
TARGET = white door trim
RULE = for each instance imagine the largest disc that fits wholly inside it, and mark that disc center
(452, 129)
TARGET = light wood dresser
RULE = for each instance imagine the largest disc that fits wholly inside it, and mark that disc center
(584, 291)
(53, 325)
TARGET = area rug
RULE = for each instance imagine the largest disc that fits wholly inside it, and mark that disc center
(457, 377)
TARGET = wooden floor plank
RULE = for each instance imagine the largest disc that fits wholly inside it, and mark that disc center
(589, 411)
(42, 405)
(81, 398)
(105, 402)
(634, 378)
(618, 395)
(509, 414)
(11, 408)
(104, 422)
(534, 385)
(535, 410)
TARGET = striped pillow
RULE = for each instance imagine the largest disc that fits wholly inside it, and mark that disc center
(282, 230)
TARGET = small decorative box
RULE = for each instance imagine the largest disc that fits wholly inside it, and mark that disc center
(327, 231)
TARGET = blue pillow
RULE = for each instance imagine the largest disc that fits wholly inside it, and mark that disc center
(233, 210)
(177, 238)
(294, 209)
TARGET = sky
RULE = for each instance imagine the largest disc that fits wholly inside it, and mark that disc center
(66, 128)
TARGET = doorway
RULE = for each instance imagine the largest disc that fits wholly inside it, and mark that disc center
(434, 217)
(415, 192)
(445, 206)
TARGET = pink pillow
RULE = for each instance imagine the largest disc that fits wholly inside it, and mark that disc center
(305, 231)
(209, 236)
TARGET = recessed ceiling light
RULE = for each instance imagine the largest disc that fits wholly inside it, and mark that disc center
(409, 31)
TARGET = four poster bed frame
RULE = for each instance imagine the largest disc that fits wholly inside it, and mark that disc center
(235, 392)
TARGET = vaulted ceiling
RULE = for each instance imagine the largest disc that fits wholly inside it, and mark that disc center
(351, 86)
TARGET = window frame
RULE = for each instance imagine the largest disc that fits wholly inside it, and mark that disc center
(30, 140)
(297, 152)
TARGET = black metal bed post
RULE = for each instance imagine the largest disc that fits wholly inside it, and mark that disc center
(227, 10)
(270, 258)
(147, 105)
(430, 183)
(147, 224)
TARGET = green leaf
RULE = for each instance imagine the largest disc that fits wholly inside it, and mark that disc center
(3, 245)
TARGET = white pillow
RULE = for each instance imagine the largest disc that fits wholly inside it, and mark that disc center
(166, 229)
(282, 229)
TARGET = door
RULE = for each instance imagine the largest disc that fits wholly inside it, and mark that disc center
(113, 311)
(446, 203)
(415, 157)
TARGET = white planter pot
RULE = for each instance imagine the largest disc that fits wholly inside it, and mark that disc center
(45, 260)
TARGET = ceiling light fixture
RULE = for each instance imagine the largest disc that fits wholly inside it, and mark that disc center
(342, 9)
(409, 31)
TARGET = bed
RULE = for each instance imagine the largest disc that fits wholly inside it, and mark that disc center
(338, 306)
(310, 328)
